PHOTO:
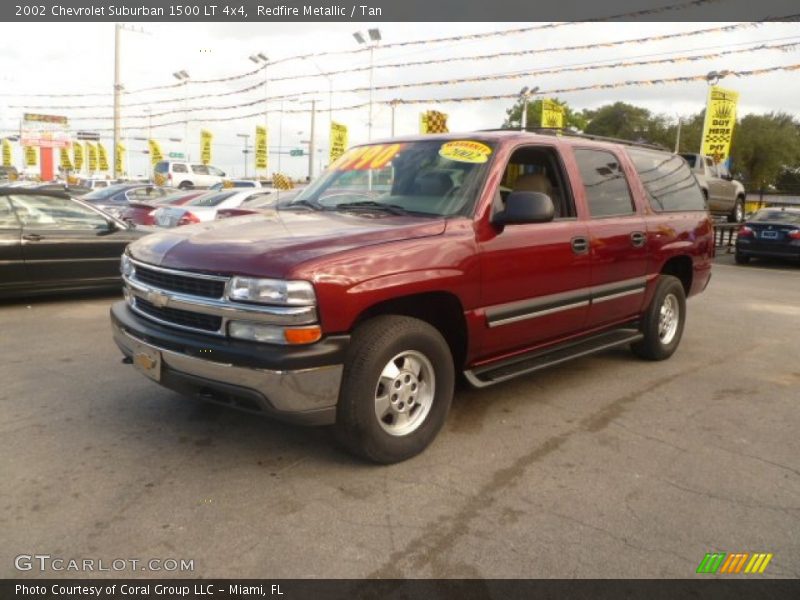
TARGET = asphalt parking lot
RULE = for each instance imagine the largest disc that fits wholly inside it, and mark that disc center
(604, 467)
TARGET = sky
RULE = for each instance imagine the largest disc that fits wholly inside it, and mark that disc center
(51, 58)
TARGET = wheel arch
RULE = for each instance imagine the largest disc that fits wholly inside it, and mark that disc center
(680, 266)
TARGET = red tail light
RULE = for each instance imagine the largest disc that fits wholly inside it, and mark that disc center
(188, 218)
(745, 231)
(794, 234)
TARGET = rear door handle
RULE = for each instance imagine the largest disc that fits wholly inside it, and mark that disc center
(638, 239)
(580, 245)
(32, 237)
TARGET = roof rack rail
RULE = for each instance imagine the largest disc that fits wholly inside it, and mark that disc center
(588, 136)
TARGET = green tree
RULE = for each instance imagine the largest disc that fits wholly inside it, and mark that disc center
(572, 119)
(629, 122)
(764, 146)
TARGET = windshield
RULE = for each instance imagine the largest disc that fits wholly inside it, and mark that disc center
(210, 199)
(103, 193)
(436, 177)
(778, 216)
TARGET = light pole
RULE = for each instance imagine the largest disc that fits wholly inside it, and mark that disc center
(280, 131)
(246, 150)
(118, 29)
(260, 59)
(525, 93)
(183, 77)
(678, 135)
(375, 38)
(393, 104)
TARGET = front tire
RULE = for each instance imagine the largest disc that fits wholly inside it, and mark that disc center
(663, 321)
(396, 389)
(737, 214)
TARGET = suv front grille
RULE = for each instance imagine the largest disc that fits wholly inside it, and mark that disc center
(195, 286)
(180, 317)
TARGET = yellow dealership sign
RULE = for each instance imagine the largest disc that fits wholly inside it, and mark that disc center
(155, 151)
(91, 152)
(6, 153)
(205, 146)
(338, 140)
(30, 156)
(77, 155)
(66, 163)
(119, 159)
(552, 114)
(719, 122)
(102, 157)
(261, 147)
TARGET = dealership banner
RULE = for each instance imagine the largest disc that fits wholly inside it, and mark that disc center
(6, 153)
(91, 153)
(66, 163)
(31, 160)
(719, 122)
(77, 155)
(102, 157)
(155, 151)
(552, 114)
(338, 140)
(119, 159)
(261, 147)
(206, 138)
(433, 121)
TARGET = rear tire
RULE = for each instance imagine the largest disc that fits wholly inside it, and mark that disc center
(741, 259)
(396, 389)
(663, 321)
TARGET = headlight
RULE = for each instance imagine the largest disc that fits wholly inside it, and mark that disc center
(272, 291)
(126, 266)
(271, 334)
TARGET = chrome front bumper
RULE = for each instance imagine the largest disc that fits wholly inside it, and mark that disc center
(306, 396)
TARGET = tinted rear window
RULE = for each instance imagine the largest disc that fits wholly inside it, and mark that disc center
(789, 217)
(179, 168)
(670, 184)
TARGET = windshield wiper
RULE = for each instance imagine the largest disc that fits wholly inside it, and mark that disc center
(371, 204)
(304, 203)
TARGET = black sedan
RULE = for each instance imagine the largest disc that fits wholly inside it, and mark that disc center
(115, 199)
(49, 242)
(769, 233)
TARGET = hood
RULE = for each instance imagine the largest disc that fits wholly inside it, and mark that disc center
(270, 244)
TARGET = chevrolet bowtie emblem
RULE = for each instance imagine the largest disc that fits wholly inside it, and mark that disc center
(159, 299)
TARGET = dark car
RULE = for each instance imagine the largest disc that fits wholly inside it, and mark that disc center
(769, 233)
(141, 213)
(49, 241)
(114, 199)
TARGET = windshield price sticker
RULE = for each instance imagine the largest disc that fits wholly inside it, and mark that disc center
(465, 151)
(367, 157)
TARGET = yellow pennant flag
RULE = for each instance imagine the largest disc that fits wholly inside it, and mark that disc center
(205, 146)
(261, 147)
(66, 163)
(77, 155)
(155, 152)
(102, 157)
(30, 156)
(338, 140)
(552, 114)
(433, 121)
(119, 160)
(91, 153)
(281, 181)
(719, 122)
(6, 153)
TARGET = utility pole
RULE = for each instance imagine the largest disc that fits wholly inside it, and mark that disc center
(393, 104)
(311, 141)
(246, 151)
(375, 38)
(678, 136)
(117, 93)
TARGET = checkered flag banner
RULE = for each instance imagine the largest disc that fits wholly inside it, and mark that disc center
(433, 121)
(281, 181)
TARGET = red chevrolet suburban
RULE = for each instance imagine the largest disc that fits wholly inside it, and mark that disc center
(409, 261)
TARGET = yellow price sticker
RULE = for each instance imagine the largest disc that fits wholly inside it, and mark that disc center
(465, 151)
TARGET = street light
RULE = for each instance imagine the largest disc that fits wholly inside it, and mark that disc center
(375, 38)
(525, 93)
(183, 77)
(261, 59)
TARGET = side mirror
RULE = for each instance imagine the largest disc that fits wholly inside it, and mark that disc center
(526, 207)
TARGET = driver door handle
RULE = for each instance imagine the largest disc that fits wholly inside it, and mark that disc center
(32, 237)
(638, 239)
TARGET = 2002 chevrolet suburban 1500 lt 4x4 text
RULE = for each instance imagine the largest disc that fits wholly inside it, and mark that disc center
(493, 254)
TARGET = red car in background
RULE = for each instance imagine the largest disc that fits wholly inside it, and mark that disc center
(141, 213)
